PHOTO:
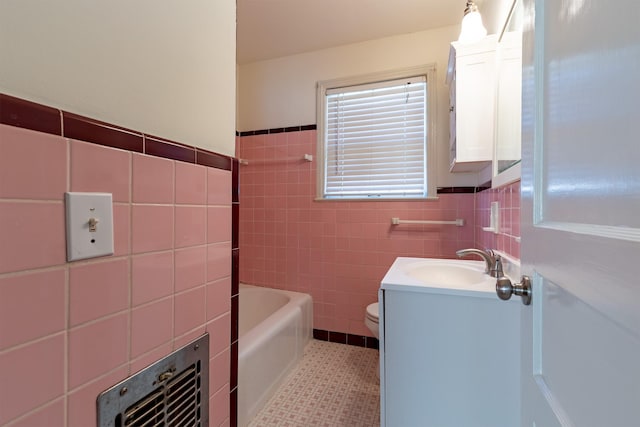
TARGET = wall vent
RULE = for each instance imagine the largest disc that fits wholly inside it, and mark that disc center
(174, 391)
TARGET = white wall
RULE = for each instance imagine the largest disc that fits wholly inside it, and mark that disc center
(282, 92)
(165, 68)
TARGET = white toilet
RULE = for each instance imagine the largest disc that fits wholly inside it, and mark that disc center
(371, 320)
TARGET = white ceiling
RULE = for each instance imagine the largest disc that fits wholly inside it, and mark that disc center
(274, 28)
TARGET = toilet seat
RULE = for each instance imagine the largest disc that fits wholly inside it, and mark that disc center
(373, 312)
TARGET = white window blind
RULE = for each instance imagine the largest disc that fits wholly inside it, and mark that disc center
(375, 140)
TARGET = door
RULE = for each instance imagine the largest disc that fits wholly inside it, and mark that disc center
(581, 213)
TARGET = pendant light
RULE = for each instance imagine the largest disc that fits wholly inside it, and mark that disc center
(472, 27)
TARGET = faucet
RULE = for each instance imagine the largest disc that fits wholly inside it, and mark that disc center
(491, 259)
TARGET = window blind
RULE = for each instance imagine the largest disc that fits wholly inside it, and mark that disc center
(375, 140)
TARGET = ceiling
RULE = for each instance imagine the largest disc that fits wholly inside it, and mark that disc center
(273, 28)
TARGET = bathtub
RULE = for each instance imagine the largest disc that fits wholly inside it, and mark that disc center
(274, 327)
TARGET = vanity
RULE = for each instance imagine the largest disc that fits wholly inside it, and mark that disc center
(449, 348)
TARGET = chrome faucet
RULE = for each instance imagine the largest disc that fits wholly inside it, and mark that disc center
(492, 260)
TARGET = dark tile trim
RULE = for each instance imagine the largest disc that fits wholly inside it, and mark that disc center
(464, 190)
(235, 220)
(214, 160)
(235, 181)
(342, 338)
(372, 342)
(321, 335)
(356, 340)
(233, 380)
(85, 129)
(339, 337)
(235, 300)
(235, 269)
(251, 133)
(29, 115)
(456, 190)
(485, 186)
(168, 149)
(233, 403)
(277, 130)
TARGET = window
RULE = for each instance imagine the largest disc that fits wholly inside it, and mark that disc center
(374, 136)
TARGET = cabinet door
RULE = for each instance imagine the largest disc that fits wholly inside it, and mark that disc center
(447, 360)
(475, 101)
(509, 101)
(452, 120)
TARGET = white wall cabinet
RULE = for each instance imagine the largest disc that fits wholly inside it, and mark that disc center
(449, 360)
(508, 103)
(471, 76)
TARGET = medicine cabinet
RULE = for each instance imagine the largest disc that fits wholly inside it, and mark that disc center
(506, 163)
(471, 77)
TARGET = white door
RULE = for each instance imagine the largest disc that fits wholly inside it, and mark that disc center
(581, 213)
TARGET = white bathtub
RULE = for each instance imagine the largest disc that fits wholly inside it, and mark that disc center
(274, 327)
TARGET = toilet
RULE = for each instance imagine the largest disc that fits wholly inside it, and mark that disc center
(371, 320)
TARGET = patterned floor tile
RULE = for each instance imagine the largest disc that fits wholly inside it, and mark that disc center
(334, 385)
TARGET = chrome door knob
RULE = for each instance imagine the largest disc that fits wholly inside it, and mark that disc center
(504, 289)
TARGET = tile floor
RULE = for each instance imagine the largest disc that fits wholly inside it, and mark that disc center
(334, 385)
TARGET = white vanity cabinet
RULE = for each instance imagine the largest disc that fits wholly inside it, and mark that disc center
(471, 76)
(448, 357)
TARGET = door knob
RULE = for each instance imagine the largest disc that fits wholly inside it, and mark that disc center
(504, 289)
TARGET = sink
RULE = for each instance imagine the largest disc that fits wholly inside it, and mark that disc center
(442, 276)
(446, 274)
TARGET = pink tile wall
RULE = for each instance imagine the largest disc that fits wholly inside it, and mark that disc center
(508, 238)
(336, 251)
(69, 330)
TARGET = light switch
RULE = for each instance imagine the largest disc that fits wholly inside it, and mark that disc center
(89, 225)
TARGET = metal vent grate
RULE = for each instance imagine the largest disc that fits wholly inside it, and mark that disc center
(173, 391)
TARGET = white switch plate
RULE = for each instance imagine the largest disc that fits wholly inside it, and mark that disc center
(494, 216)
(83, 243)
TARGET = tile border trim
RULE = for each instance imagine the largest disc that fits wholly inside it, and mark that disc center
(277, 130)
(42, 118)
(457, 190)
(484, 187)
(441, 190)
(348, 339)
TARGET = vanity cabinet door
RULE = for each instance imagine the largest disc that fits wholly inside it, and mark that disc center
(447, 359)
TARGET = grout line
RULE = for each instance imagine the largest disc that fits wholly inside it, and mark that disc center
(130, 316)
(31, 342)
(67, 311)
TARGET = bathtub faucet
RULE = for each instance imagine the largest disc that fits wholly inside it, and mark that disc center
(491, 259)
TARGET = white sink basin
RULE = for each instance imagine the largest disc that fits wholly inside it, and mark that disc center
(443, 276)
(446, 274)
